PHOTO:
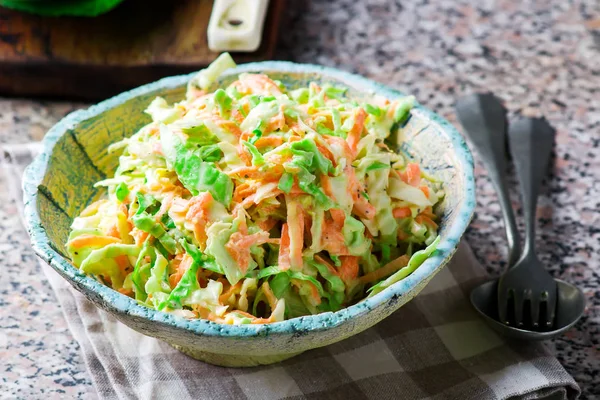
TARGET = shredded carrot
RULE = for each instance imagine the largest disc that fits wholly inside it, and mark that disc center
(422, 219)
(326, 153)
(326, 185)
(295, 128)
(253, 172)
(332, 239)
(244, 155)
(267, 224)
(275, 123)
(197, 214)
(92, 241)
(228, 126)
(361, 206)
(413, 174)
(229, 292)
(123, 263)
(256, 84)
(269, 141)
(205, 313)
(338, 216)
(401, 212)
(354, 135)
(246, 203)
(237, 116)
(428, 212)
(242, 171)
(284, 249)
(239, 246)
(186, 262)
(336, 140)
(425, 190)
(173, 264)
(364, 209)
(386, 270)
(126, 292)
(349, 268)
(114, 232)
(315, 293)
(256, 321)
(242, 191)
(269, 295)
(139, 236)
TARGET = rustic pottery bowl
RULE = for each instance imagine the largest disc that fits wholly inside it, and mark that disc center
(59, 184)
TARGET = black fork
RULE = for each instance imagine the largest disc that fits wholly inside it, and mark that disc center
(528, 285)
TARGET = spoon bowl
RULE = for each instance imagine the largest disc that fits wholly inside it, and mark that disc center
(570, 308)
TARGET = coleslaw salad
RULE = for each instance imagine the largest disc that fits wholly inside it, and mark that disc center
(254, 203)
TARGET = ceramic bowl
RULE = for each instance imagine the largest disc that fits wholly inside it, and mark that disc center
(59, 184)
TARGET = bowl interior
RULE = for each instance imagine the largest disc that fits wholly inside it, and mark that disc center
(79, 159)
(59, 184)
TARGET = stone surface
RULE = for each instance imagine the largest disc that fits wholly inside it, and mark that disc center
(541, 57)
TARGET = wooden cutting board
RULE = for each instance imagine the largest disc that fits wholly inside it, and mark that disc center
(93, 58)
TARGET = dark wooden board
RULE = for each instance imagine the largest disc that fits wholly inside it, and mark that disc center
(93, 58)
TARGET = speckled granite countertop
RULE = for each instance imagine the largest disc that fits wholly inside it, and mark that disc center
(540, 58)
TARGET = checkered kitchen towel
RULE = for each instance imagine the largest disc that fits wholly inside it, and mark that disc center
(434, 347)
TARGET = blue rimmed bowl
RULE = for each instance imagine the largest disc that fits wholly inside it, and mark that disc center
(58, 185)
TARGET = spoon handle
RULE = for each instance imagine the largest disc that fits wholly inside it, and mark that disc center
(531, 141)
(484, 120)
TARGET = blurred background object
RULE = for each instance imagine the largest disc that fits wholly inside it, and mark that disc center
(137, 42)
(236, 25)
(55, 8)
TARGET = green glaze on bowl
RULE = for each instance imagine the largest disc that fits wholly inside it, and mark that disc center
(59, 184)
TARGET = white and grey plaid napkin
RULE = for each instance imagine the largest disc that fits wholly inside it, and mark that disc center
(434, 347)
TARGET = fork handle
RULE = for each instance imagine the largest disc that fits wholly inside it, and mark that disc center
(497, 173)
(531, 141)
(484, 118)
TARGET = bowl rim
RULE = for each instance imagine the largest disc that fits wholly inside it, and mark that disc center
(122, 304)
